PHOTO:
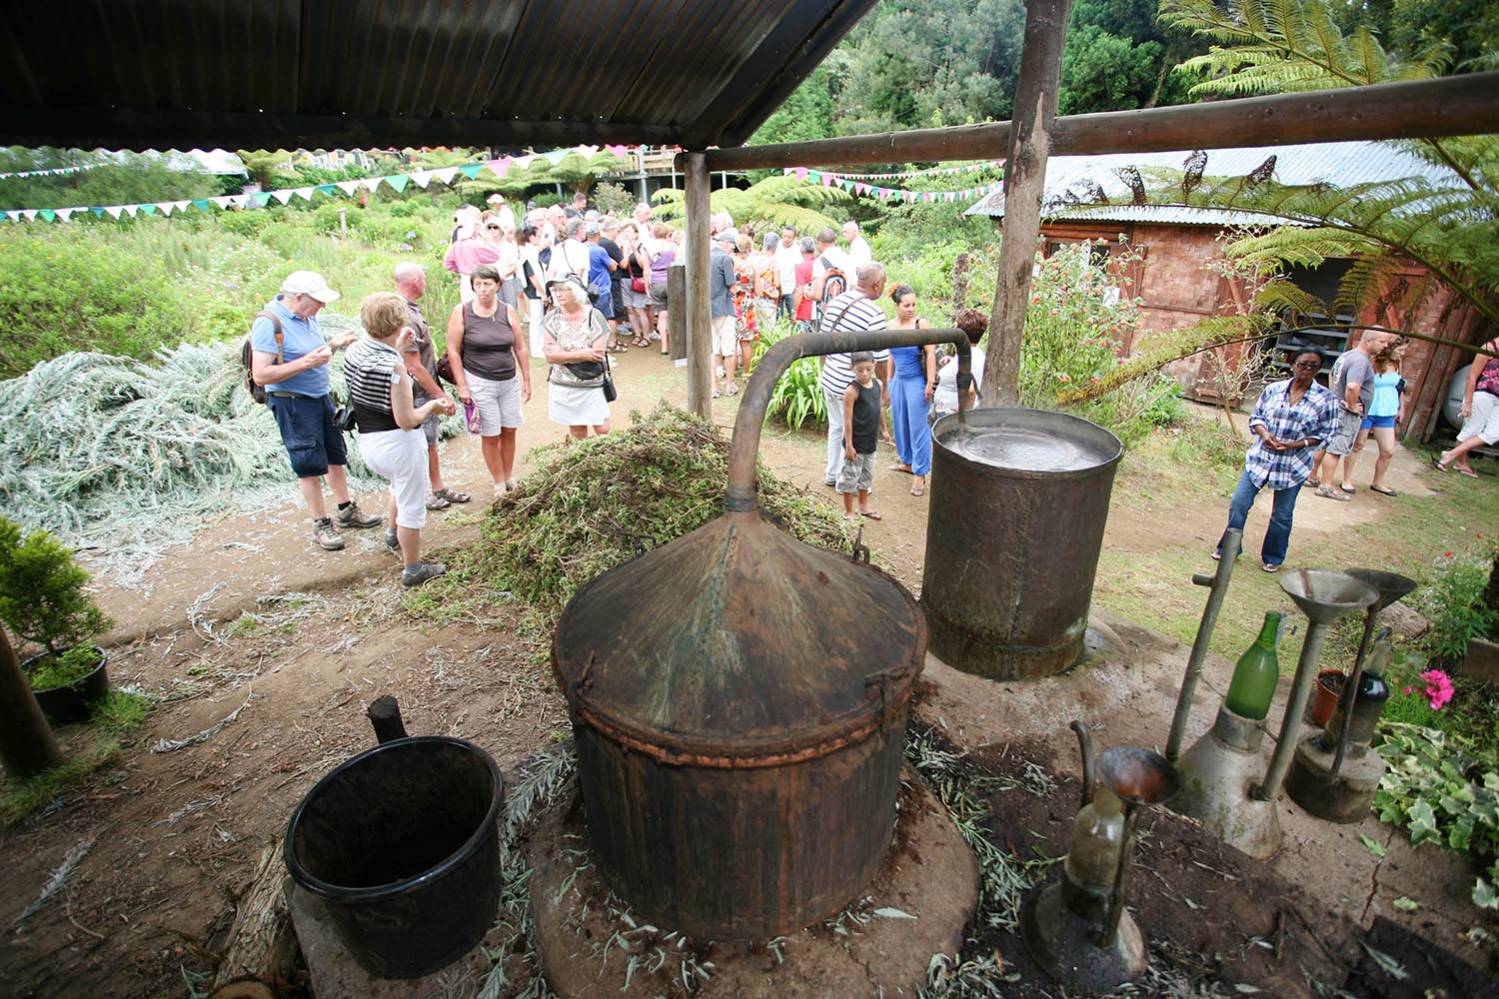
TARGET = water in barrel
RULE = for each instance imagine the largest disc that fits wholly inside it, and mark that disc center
(1028, 449)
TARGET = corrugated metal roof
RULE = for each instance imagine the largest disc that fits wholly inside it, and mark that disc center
(1340, 163)
(138, 74)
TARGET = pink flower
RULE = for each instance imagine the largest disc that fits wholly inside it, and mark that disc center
(1409, 690)
(1438, 688)
(1064, 377)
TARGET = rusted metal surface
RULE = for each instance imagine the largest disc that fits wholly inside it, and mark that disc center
(739, 755)
(1011, 553)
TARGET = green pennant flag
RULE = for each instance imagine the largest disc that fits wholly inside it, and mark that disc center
(4, 216)
(848, 185)
(98, 211)
(261, 198)
(398, 181)
(48, 214)
(471, 170)
(201, 204)
(327, 189)
(814, 176)
(147, 209)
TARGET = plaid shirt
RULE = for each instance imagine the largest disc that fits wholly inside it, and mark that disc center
(1314, 417)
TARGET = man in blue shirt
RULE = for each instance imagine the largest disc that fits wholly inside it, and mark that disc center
(721, 281)
(1290, 420)
(295, 375)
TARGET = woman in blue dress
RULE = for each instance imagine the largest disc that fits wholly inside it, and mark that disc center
(1386, 410)
(911, 393)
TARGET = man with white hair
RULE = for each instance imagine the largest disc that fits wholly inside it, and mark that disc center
(858, 248)
(643, 219)
(855, 311)
(721, 282)
(421, 363)
(290, 359)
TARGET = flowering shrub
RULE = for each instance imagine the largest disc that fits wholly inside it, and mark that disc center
(1453, 602)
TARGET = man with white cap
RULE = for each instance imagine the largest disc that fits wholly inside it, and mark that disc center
(290, 358)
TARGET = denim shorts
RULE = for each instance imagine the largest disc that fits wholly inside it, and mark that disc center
(1371, 422)
(313, 441)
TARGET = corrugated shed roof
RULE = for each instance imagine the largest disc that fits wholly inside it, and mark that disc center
(138, 74)
(1340, 163)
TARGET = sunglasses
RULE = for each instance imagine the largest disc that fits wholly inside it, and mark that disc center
(493, 228)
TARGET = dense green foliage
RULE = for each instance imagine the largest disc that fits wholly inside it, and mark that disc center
(776, 200)
(43, 595)
(66, 669)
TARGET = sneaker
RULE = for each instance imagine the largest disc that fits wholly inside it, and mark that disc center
(352, 516)
(419, 572)
(324, 534)
(393, 543)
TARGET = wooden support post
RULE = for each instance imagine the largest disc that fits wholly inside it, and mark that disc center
(1025, 182)
(676, 310)
(26, 743)
(699, 318)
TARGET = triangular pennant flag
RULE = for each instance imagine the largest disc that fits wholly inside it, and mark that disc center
(801, 173)
(861, 188)
(29, 214)
(130, 209)
(4, 216)
(165, 207)
(66, 214)
(224, 201)
(327, 189)
(201, 204)
(555, 156)
(616, 150)
(398, 181)
(48, 215)
(421, 178)
(500, 167)
(97, 211)
(372, 184)
(585, 150)
(144, 209)
(471, 170)
(180, 206)
(283, 195)
(261, 198)
(349, 186)
(305, 193)
(445, 175)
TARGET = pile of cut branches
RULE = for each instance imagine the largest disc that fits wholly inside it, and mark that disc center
(591, 506)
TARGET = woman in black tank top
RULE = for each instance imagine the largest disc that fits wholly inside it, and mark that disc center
(488, 352)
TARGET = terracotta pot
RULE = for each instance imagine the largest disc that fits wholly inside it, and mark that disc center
(1329, 689)
(74, 702)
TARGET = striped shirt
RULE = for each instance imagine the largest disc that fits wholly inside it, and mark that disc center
(850, 312)
(370, 371)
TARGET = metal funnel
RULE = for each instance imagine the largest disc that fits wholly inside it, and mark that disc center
(1138, 776)
(1390, 586)
(1325, 596)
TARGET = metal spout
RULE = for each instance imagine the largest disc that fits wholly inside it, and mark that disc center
(1085, 745)
(1141, 779)
(1217, 588)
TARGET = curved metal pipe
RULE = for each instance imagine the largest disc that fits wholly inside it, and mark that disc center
(740, 496)
(1085, 744)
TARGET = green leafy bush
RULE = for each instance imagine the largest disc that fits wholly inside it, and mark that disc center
(66, 669)
(1441, 791)
(1453, 602)
(42, 591)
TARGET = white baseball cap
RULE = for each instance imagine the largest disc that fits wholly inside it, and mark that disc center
(308, 283)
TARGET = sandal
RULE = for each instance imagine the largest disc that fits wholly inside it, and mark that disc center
(1383, 491)
(901, 466)
(1328, 492)
(918, 490)
(437, 501)
(1349, 490)
(1312, 483)
(1467, 471)
(1271, 568)
(1442, 466)
(452, 495)
(871, 514)
(511, 486)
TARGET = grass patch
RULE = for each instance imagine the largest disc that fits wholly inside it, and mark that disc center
(19, 798)
(121, 712)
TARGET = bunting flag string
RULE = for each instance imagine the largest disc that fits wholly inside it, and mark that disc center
(862, 189)
(903, 174)
(259, 199)
(51, 172)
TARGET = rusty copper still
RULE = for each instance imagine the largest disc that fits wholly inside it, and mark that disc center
(739, 701)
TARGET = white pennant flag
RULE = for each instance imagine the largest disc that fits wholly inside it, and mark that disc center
(446, 174)
(348, 186)
(181, 206)
(371, 184)
(113, 211)
(165, 207)
(282, 196)
(304, 192)
(421, 178)
(29, 214)
(131, 209)
(66, 214)
(223, 202)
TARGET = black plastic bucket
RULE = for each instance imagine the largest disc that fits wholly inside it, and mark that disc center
(74, 702)
(402, 844)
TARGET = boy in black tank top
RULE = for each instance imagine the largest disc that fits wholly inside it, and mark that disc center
(863, 428)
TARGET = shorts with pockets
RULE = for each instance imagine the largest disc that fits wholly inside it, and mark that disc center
(1340, 442)
(313, 441)
(400, 456)
(856, 476)
(498, 403)
(658, 294)
(725, 337)
(1483, 419)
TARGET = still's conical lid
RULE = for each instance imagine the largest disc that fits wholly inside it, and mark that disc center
(737, 645)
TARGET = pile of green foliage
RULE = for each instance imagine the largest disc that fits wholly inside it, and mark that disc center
(591, 506)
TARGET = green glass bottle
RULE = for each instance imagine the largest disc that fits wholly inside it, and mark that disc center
(1256, 674)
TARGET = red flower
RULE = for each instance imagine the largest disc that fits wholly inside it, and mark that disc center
(1446, 554)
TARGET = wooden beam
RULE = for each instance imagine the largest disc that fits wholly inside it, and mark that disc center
(1025, 184)
(676, 310)
(1449, 105)
(89, 129)
(27, 746)
(699, 316)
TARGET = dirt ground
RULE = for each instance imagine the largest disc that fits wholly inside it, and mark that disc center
(165, 841)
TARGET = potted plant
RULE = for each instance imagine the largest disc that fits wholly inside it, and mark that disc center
(44, 600)
(1329, 689)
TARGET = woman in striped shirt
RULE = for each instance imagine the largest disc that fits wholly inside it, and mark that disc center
(390, 436)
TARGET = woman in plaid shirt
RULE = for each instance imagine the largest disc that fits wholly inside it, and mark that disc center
(1289, 421)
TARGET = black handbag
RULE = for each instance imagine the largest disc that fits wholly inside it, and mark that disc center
(587, 370)
(610, 392)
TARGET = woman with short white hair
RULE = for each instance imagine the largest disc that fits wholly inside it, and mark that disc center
(390, 436)
(574, 337)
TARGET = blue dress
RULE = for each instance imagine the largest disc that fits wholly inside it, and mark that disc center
(909, 408)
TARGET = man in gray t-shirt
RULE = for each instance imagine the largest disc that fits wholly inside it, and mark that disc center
(1352, 381)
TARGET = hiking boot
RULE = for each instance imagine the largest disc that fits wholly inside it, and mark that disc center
(324, 534)
(393, 543)
(352, 516)
(419, 572)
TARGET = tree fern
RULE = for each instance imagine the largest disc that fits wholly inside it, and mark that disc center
(780, 200)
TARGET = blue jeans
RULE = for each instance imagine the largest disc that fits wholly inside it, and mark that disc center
(1278, 534)
(913, 437)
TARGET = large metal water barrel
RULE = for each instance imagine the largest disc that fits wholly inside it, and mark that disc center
(1019, 498)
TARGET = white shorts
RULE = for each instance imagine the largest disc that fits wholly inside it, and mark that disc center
(1483, 419)
(401, 457)
(498, 403)
(725, 339)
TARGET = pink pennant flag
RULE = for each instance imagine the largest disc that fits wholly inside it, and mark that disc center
(616, 150)
(801, 173)
(861, 188)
